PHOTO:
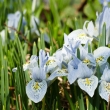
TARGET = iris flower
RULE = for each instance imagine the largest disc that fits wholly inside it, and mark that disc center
(37, 87)
(86, 79)
(28, 66)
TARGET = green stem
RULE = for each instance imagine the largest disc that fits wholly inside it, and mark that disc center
(43, 104)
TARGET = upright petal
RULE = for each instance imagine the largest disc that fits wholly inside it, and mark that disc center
(42, 58)
(36, 90)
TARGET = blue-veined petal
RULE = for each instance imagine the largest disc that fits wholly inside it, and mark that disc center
(88, 84)
(59, 72)
(36, 90)
(104, 90)
(101, 55)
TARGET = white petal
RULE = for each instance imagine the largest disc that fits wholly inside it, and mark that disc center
(80, 35)
(88, 84)
(91, 28)
(104, 90)
(36, 90)
(14, 69)
(25, 66)
(101, 55)
(59, 72)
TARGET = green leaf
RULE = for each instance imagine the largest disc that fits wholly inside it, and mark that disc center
(54, 11)
(72, 107)
(34, 52)
(89, 11)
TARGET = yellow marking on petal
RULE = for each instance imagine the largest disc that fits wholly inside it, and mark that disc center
(107, 87)
(99, 59)
(81, 36)
(87, 81)
(65, 70)
(36, 86)
(50, 62)
(86, 61)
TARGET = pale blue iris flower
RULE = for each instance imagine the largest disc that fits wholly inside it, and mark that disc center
(104, 88)
(13, 21)
(86, 79)
(104, 17)
(37, 87)
(101, 55)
